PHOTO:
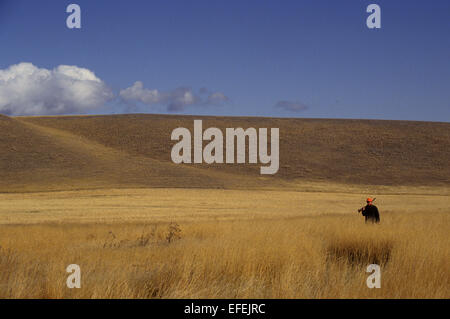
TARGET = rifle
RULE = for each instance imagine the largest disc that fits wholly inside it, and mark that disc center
(364, 207)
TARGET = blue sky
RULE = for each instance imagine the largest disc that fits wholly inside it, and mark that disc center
(317, 56)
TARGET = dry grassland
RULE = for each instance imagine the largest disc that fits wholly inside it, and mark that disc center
(205, 243)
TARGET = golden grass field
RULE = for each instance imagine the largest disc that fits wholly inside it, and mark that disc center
(203, 243)
(101, 192)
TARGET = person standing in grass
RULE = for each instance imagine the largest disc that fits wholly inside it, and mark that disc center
(370, 212)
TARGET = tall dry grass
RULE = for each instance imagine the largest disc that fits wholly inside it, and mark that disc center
(299, 257)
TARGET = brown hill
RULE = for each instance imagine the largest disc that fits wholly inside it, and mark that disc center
(39, 158)
(134, 150)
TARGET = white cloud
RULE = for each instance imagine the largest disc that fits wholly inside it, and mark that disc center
(217, 97)
(175, 100)
(138, 93)
(28, 90)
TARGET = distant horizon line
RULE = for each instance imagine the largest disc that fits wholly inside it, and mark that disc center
(223, 116)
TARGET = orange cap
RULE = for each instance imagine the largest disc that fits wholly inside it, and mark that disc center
(369, 200)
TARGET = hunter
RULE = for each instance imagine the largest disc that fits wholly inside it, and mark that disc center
(370, 212)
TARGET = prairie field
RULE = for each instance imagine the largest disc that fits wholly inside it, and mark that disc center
(214, 243)
(102, 192)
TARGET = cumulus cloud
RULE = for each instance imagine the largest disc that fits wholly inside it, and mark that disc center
(175, 101)
(291, 106)
(28, 90)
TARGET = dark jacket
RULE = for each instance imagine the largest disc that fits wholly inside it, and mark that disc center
(370, 212)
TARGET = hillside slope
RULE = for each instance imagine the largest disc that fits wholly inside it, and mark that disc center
(134, 151)
(350, 151)
(37, 158)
